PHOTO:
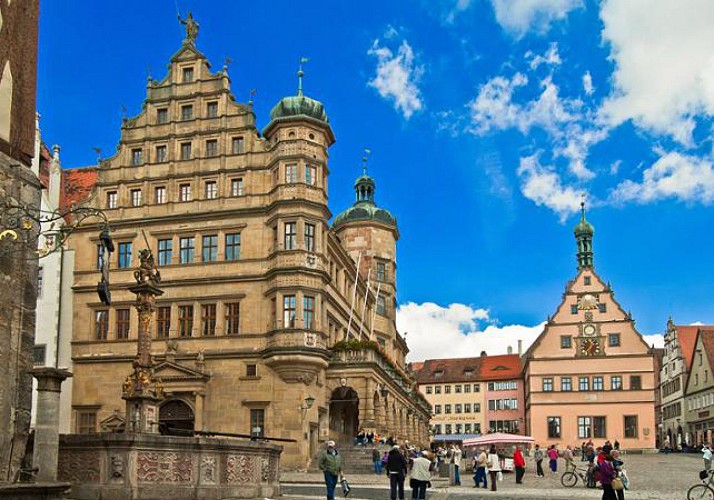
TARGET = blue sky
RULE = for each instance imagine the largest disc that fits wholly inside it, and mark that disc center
(487, 121)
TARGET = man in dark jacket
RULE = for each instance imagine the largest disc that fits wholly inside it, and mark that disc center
(397, 470)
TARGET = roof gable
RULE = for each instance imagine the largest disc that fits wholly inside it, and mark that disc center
(687, 339)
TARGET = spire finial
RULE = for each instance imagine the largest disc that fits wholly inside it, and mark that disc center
(582, 205)
(367, 152)
(252, 95)
(300, 74)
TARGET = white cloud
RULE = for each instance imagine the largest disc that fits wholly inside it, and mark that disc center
(455, 331)
(674, 176)
(550, 58)
(520, 16)
(457, 7)
(588, 83)
(397, 75)
(664, 63)
(542, 185)
(656, 340)
(571, 128)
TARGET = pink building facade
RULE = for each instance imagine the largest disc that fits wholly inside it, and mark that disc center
(590, 374)
(504, 396)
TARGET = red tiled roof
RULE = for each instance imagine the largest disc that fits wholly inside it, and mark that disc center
(504, 367)
(45, 160)
(452, 370)
(707, 335)
(77, 186)
(687, 337)
(417, 365)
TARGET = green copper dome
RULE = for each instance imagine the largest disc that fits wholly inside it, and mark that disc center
(364, 208)
(299, 105)
(583, 227)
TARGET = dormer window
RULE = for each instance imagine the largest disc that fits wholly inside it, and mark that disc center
(438, 373)
(468, 372)
(187, 75)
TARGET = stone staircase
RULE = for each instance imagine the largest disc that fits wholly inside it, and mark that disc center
(357, 459)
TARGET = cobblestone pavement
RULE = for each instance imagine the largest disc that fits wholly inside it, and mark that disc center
(652, 477)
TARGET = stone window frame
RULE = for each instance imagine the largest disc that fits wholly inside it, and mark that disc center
(547, 384)
(163, 323)
(209, 319)
(185, 150)
(211, 148)
(237, 187)
(209, 247)
(185, 192)
(187, 74)
(164, 157)
(186, 112)
(137, 157)
(112, 199)
(566, 341)
(566, 387)
(237, 144)
(162, 115)
(160, 200)
(86, 411)
(124, 258)
(613, 340)
(136, 197)
(212, 109)
(635, 386)
(190, 250)
(232, 318)
(612, 383)
(598, 383)
(185, 319)
(164, 251)
(122, 322)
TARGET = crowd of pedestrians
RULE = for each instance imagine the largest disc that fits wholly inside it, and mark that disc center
(605, 465)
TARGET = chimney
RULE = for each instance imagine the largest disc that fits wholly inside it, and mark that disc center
(509, 350)
(483, 353)
(520, 348)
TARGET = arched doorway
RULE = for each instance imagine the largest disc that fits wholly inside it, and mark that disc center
(344, 414)
(176, 414)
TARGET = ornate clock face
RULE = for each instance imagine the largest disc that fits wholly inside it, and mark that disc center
(590, 347)
(589, 329)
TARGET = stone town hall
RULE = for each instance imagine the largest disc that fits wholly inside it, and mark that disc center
(253, 333)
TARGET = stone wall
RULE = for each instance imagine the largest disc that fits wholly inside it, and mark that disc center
(116, 466)
(18, 295)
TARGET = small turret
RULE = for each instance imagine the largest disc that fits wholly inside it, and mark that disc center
(584, 238)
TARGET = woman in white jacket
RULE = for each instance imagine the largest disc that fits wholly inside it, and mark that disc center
(421, 475)
(494, 466)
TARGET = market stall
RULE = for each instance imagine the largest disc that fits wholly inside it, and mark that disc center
(505, 445)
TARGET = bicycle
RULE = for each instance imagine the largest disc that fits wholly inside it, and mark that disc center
(570, 477)
(704, 491)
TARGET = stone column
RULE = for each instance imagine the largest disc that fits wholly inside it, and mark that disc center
(140, 391)
(46, 449)
(198, 423)
(369, 416)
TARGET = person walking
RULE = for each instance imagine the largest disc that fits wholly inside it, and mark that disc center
(481, 462)
(330, 463)
(420, 476)
(377, 460)
(707, 456)
(538, 456)
(606, 474)
(397, 470)
(568, 456)
(457, 456)
(494, 466)
(584, 452)
(519, 463)
(553, 459)
(618, 465)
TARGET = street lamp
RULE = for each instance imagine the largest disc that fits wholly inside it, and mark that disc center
(309, 401)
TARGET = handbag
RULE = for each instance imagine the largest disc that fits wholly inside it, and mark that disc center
(499, 476)
(617, 484)
(345, 486)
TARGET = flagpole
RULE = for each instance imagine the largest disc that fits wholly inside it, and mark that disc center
(364, 304)
(354, 295)
(374, 313)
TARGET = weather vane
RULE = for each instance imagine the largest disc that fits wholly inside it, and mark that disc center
(302, 61)
(252, 95)
(365, 158)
